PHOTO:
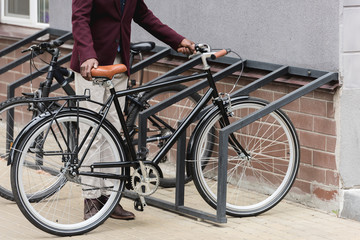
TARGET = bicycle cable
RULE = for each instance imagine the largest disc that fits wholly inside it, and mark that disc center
(33, 65)
(241, 71)
(31, 74)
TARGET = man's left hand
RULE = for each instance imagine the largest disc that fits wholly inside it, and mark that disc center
(186, 47)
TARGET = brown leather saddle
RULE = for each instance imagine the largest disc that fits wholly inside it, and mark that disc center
(108, 72)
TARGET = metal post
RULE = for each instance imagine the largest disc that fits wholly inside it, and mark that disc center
(180, 170)
(222, 178)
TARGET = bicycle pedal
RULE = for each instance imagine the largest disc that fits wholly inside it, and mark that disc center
(139, 204)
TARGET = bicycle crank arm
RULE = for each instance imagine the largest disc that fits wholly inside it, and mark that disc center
(139, 204)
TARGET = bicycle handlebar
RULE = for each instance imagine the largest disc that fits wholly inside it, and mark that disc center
(220, 53)
(205, 49)
(44, 46)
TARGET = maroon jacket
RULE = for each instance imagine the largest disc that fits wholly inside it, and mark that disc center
(99, 27)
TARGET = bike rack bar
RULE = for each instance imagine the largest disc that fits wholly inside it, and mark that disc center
(169, 206)
(15, 63)
(23, 42)
(261, 81)
(154, 58)
(180, 170)
(64, 37)
(178, 70)
(280, 102)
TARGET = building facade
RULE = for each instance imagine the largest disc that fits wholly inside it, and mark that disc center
(320, 34)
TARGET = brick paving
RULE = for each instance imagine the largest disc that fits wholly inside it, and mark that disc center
(286, 221)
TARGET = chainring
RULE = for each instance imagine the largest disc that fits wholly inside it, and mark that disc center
(148, 184)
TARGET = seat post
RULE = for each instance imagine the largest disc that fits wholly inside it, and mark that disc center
(122, 119)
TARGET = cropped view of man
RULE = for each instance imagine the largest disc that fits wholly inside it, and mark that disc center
(101, 31)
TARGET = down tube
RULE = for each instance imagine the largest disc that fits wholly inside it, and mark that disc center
(174, 137)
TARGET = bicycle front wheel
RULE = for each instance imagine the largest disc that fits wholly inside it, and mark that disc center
(44, 163)
(258, 178)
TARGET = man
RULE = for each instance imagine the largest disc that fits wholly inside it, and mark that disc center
(102, 30)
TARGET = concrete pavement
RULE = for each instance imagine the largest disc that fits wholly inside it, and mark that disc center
(286, 221)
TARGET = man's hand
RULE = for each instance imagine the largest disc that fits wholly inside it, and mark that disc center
(186, 47)
(85, 68)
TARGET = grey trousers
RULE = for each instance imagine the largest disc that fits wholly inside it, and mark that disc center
(95, 187)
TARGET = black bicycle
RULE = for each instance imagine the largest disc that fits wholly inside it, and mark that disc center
(262, 164)
(17, 112)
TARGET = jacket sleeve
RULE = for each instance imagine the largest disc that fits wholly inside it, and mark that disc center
(81, 11)
(147, 20)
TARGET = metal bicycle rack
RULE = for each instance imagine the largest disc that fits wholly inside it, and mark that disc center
(276, 71)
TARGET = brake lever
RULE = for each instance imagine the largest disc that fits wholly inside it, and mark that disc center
(30, 49)
(26, 50)
(201, 48)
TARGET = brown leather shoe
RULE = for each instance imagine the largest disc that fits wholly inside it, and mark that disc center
(91, 207)
(120, 213)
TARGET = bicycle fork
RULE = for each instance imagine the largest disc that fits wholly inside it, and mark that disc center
(221, 104)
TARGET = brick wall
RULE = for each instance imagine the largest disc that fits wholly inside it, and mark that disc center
(313, 116)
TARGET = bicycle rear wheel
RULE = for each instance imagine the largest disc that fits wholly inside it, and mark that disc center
(162, 125)
(15, 114)
(257, 182)
(47, 168)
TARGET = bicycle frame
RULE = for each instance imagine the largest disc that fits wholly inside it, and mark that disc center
(211, 93)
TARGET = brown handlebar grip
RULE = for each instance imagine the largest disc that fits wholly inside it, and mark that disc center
(220, 53)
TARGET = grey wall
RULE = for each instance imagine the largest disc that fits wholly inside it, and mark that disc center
(60, 14)
(300, 33)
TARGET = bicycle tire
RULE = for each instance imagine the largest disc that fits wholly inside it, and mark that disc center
(62, 212)
(179, 110)
(257, 183)
(8, 133)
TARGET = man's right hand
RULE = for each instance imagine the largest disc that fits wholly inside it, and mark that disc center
(85, 68)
